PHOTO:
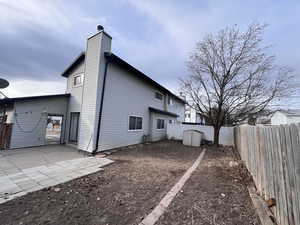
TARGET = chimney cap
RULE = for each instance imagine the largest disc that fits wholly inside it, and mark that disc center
(100, 28)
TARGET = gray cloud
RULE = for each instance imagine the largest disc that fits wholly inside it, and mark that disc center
(34, 54)
(39, 39)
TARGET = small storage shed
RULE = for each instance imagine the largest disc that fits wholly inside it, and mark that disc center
(192, 137)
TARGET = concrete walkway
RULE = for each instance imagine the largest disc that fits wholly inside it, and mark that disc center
(28, 170)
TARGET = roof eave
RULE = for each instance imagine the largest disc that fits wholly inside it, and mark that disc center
(11, 100)
(151, 109)
(73, 64)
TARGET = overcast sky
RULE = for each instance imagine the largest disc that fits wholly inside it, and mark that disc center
(38, 39)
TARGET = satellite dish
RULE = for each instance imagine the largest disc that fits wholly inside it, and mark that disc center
(3, 83)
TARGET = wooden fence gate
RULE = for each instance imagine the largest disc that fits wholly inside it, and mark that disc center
(5, 133)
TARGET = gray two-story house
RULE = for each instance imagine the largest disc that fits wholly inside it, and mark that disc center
(108, 104)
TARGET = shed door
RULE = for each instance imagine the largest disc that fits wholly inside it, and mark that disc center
(74, 124)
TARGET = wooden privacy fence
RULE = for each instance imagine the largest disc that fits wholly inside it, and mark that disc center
(272, 156)
(5, 134)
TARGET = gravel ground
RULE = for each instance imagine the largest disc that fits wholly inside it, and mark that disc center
(122, 194)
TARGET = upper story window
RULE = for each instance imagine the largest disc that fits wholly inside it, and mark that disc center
(77, 80)
(170, 100)
(135, 123)
(158, 95)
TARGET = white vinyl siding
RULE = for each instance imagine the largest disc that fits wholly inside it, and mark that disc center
(281, 118)
(78, 70)
(92, 88)
(118, 106)
(75, 99)
(158, 134)
(125, 95)
(177, 107)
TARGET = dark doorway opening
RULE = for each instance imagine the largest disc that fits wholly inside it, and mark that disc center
(74, 126)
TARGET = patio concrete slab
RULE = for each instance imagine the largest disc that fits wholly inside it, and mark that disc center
(37, 178)
(13, 161)
(32, 169)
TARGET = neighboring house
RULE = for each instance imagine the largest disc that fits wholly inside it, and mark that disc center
(264, 120)
(285, 117)
(191, 115)
(108, 104)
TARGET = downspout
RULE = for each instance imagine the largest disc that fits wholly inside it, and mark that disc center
(101, 105)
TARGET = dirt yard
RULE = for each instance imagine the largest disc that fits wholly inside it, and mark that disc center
(127, 190)
(216, 194)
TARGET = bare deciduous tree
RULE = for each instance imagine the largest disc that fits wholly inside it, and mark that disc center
(233, 76)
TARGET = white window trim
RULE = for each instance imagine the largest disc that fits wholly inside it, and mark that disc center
(77, 75)
(164, 124)
(135, 130)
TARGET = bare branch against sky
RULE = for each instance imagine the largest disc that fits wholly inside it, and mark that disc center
(38, 39)
(232, 76)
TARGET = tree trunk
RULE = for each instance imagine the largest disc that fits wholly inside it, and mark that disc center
(216, 134)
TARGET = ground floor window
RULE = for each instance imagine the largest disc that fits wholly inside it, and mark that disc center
(135, 123)
(160, 124)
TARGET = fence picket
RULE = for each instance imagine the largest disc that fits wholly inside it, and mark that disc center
(294, 148)
(281, 199)
(297, 173)
(272, 156)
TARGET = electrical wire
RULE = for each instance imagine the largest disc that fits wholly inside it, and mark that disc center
(3, 94)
